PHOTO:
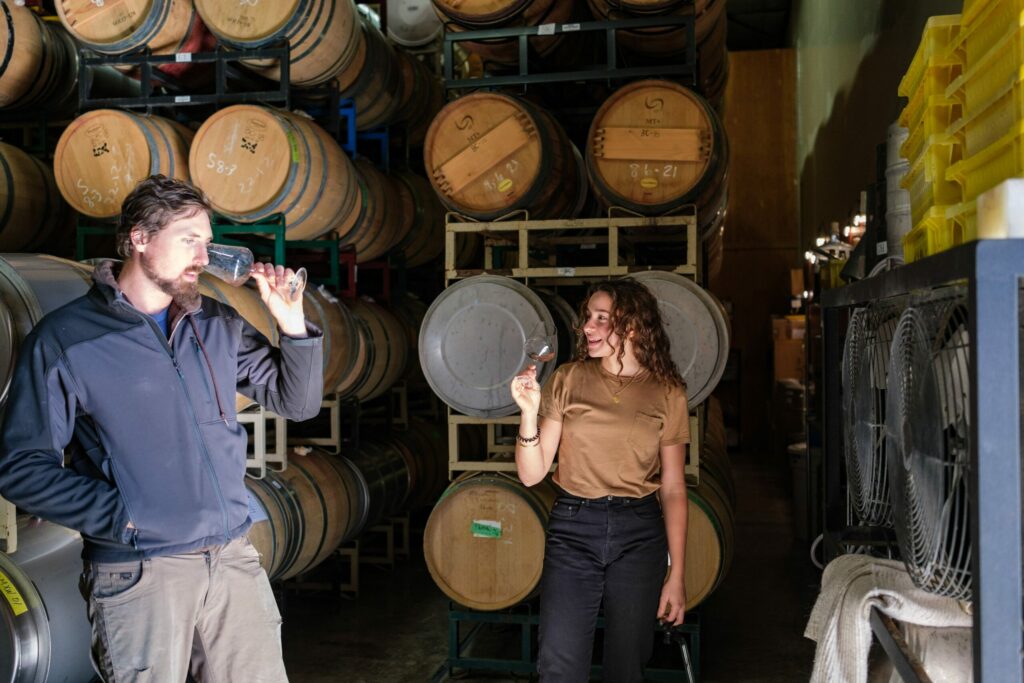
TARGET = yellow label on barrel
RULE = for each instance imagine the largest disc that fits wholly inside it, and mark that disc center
(13, 596)
(649, 183)
(505, 185)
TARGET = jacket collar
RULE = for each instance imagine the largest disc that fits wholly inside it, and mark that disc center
(104, 277)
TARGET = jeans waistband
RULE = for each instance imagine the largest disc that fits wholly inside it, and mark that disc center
(570, 499)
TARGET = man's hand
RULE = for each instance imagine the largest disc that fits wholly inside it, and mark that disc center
(275, 285)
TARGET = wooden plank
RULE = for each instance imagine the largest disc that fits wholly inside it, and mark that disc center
(479, 157)
(651, 144)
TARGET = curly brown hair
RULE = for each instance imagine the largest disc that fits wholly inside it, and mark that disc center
(634, 308)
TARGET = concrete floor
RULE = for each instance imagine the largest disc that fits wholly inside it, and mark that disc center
(396, 630)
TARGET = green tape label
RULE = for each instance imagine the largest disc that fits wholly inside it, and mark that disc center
(294, 144)
(485, 528)
(14, 598)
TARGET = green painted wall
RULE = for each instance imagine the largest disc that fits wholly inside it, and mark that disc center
(850, 56)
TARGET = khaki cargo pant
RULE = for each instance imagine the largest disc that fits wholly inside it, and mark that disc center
(209, 613)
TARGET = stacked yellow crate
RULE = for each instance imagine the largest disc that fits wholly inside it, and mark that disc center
(991, 88)
(930, 149)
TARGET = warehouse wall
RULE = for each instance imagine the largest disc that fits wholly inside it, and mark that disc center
(762, 228)
(850, 56)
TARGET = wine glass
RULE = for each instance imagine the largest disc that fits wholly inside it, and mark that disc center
(229, 262)
(542, 343)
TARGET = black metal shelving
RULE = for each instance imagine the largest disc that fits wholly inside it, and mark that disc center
(992, 271)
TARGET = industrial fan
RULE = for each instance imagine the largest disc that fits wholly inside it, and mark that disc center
(865, 371)
(928, 443)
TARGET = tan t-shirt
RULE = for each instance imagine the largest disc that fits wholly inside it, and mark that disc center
(609, 448)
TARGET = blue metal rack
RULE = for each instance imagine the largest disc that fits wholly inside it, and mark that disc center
(992, 271)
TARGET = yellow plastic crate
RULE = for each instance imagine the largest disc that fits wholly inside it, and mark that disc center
(933, 119)
(983, 25)
(1003, 159)
(992, 73)
(939, 32)
(934, 233)
(963, 222)
(926, 180)
(993, 121)
(935, 84)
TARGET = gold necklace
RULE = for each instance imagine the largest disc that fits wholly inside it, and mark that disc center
(615, 394)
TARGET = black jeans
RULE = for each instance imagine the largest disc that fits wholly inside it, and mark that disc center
(610, 549)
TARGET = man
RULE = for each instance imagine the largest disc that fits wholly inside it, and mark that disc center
(137, 379)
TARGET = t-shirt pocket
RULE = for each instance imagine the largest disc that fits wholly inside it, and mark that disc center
(645, 435)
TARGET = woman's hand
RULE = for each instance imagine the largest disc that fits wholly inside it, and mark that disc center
(276, 292)
(526, 390)
(672, 606)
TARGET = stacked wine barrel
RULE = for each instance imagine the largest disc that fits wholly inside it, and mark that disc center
(321, 500)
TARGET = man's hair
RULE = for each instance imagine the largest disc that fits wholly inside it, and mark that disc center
(152, 205)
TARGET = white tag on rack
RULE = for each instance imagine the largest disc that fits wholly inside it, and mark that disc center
(546, 30)
(570, 27)
(882, 248)
(183, 57)
(182, 99)
(566, 271)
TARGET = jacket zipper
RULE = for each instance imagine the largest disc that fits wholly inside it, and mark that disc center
(195, 419)
(202, 363)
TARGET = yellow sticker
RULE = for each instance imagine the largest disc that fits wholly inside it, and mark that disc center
(649, 183)
(505, 185)
(13, 596)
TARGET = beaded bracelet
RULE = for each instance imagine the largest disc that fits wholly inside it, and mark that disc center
(531, 441)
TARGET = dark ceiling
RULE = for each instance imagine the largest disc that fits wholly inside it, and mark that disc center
(758, 24)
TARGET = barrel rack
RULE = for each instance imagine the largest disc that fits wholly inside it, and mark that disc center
(465, 625)
(607, 70)
(224, 63)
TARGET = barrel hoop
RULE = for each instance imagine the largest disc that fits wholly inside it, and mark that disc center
(361, 225)
(323, 506)
(51, 204)
(712, 516)
(309, 26)
(315, 304)
(155, 161)
(273, 532)
(10, 43)
(9, 187)
(305, 182)
(192, 26)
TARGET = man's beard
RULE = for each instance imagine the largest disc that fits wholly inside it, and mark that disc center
(184, 294)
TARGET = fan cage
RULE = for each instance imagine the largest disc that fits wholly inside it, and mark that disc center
(928, 443)
(865, 379)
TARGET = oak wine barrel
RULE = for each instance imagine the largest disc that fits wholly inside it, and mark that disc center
(424, 241)
(278, 535)
(113, 28)
(654, 147)
(488, 155)
(340, 335)
(384, 474)
(104, 153)
(422, 97)
(484, 540)
(710, 538)
(412, 23)
(377, 89)
(32, 285)
(388, 341)
(471, 343)
(39, 67)
(33, 215)
(254, 161)
(697, 328)
(380, 221)
(323, 35)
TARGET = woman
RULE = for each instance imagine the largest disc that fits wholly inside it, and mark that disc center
(619, 421)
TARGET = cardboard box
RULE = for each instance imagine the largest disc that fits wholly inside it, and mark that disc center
(789, 327)
(789, 359)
